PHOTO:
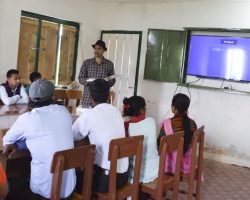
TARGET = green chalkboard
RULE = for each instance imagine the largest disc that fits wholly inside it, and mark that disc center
(165, 54)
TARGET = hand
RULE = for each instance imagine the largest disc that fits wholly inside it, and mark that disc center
(9, 150)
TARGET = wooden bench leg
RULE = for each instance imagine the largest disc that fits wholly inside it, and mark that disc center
(198, 189)
(190, 188)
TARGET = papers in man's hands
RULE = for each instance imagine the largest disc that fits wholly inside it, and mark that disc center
(106, 79)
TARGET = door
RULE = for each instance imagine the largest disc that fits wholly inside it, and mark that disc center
(124, 48)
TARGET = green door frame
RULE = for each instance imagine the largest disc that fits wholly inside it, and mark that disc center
(138, 52)
(58, 22)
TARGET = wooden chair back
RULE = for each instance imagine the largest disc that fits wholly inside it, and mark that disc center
(73, 94)
(81, 157)
(170, 144)
(59, 95)
(122, 148)
(196, 168)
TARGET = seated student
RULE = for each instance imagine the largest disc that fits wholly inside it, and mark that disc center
(180, 122)
(135, 108)
(46, 130)
(12, 92)
(101, 124)
(34, 76)
(3, 183)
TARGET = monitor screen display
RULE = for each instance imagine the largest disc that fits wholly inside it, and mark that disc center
(219, 57)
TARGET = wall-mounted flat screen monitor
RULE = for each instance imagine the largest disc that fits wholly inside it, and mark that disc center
(224, 57)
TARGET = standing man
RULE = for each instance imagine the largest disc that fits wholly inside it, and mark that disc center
(94, 68)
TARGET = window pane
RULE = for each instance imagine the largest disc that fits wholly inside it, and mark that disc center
(47, 53)
(27, 47)
(67, 54)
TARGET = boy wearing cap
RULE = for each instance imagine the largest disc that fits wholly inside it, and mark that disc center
(101, 124)
(97, 67)
(12, 91)
(46, 130)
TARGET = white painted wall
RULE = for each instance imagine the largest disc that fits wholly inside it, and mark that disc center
(226, 116)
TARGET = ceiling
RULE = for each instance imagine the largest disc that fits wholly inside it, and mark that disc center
(166, 1)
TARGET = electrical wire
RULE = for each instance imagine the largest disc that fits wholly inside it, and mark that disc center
(188, 86)
(177, 86)
(222, 83)
(194, 81)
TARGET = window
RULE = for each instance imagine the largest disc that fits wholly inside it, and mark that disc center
(47, 45)
(165, 53)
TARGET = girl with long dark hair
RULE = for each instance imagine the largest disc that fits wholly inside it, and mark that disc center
(180, 122)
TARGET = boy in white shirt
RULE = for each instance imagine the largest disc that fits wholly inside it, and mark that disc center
(101, 124)
(12, 91)
(46, 130)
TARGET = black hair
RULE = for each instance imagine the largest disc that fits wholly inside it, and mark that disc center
(11, 72)
(181, 102)
(133, 105)
(40, 104)
(99, 91)
(35, 75)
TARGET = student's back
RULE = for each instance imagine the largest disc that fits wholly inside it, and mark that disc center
(52, 126)
(150, 159)
(135, 108)
(46, 130)
(104, 123)
(101, 124)
(179, 122)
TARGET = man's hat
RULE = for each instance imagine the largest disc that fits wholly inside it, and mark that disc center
(101, 44)
(41, 90)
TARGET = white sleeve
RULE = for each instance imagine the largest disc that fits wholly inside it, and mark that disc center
(81, 127)
(16, 132)
(6, 99)
(24, 97)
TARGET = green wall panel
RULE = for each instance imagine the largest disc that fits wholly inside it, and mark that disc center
(165, 53)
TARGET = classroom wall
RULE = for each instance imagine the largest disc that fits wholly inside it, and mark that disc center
(225, 115)
(1, 38)
(82, 11)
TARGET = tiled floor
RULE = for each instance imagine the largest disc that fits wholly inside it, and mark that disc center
(223, 182)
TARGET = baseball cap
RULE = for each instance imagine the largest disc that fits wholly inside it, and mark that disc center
(41, 90)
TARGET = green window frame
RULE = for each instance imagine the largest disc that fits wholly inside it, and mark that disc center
(59, 22)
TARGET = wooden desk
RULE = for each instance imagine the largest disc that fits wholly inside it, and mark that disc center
(17, 109)
(9, 114)
(18, 154)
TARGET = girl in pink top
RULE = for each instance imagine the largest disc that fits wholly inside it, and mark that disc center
(180, 122)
